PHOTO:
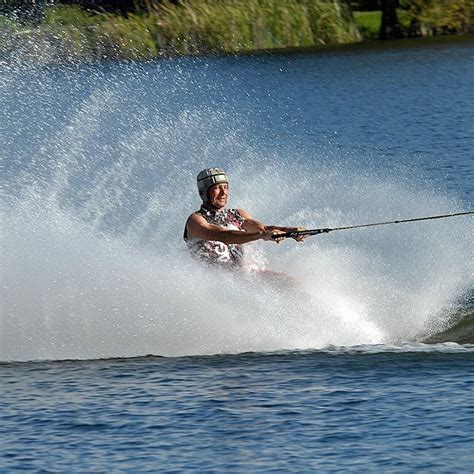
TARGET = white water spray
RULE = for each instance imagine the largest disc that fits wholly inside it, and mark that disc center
(93, 263)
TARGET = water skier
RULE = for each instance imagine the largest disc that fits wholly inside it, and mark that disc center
(215, 234)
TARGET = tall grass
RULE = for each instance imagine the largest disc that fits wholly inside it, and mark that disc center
(232, 25)
(191, 27)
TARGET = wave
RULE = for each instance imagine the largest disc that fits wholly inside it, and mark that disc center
(459, 328)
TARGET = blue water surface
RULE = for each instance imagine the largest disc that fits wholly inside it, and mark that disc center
(404, 111)
(325, 411)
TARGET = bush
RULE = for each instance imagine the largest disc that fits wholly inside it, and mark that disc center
(430, 17)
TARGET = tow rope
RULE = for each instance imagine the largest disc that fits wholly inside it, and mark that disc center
(327, 230)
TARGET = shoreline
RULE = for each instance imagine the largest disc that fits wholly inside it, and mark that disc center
(360, 47)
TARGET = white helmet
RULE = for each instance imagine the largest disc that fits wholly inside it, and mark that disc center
(208, 178)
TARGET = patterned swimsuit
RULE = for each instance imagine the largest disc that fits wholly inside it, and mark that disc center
(212, 251)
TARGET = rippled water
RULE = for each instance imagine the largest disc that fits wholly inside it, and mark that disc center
(325, 411)
(98, 167)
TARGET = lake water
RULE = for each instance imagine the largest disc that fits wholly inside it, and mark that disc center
(119, 353)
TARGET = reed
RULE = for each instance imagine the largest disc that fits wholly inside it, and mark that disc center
(196, 26)
(191, 27)
(68, 33)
